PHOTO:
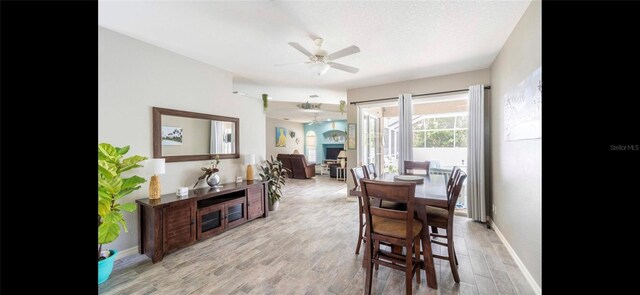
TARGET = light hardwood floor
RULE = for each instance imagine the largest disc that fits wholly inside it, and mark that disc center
(307, 247)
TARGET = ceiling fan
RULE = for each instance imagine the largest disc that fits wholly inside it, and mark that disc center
(310, 107)
(320, 62)
(315, 120)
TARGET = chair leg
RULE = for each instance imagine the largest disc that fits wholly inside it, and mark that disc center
(416, 252)
(450, 242)
(408, 272)
(359, 236)
(452, 259)
(369, 266)
(376, 248)
(361, 225)
(455, 255)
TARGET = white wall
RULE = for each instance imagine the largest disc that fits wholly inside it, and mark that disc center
(517, 164)
(418, 86)
(135, 76)
(298, 128)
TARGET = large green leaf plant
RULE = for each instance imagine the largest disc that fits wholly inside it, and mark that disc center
(111, 188)
(275, 174)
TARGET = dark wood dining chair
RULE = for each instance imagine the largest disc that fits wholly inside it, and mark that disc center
(450, 184)
(413, 165)
(383, 203)
(371, 169)
(443, 218)
(395, 227)
(358, 173)
(455, 172)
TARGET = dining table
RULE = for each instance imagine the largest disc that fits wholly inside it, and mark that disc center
(432, 192)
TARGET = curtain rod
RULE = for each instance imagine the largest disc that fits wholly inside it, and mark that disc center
(424, 94)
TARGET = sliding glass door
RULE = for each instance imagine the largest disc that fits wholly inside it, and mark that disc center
(440, 130)
(439, 126)
(439, 134)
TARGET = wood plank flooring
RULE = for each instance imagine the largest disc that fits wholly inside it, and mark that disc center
(307, 247)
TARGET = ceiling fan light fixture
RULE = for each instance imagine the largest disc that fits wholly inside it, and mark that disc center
(319, 68)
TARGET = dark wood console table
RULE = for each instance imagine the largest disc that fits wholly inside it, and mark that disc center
(173, 222)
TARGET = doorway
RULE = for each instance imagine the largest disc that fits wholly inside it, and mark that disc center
(379, 136)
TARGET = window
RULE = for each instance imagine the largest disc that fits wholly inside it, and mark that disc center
(310, 141)
(446, 131)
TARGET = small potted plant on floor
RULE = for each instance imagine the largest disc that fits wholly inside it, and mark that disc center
(112, 187)
(275, 175)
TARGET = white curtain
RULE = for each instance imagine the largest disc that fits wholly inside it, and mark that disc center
(406, 130)
(217, 134)
(475, 155)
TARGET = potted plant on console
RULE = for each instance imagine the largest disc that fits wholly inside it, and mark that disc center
(209, 174)
(275, 175)
(112, 187)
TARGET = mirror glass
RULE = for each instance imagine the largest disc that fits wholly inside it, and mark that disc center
(187, 136)
(191, 136)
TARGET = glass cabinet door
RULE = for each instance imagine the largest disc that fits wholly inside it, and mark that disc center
(210, 221)
(236, 212)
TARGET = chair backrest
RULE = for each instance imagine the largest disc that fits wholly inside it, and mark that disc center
(399, 192)
(454, 174)
(412, 165)
(371, 169)
(286, 163)
(357, 174)
(366, 171)
(453, 195)
(298, 160)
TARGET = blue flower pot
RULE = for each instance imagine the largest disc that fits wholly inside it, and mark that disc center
(105, 267)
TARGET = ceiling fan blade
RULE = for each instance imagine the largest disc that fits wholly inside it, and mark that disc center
(342, 67)
(301, 49)
(292, 63)
(344, 52)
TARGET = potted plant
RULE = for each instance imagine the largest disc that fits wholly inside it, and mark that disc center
(275, 174)
(265, 98)
(112, 187)
(208, 172)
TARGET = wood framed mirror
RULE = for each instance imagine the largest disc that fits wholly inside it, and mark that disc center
(180, 136)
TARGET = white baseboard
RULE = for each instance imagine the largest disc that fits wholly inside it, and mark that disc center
(127, 252)
(536, 288)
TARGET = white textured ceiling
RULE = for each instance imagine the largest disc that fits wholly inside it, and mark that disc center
(290, 111)
(398, 40)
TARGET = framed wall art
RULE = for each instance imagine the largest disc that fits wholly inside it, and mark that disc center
(523, 108)
(281, 137)
(351, 136)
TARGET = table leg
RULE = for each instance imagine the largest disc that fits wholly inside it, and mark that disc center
(427, 252)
